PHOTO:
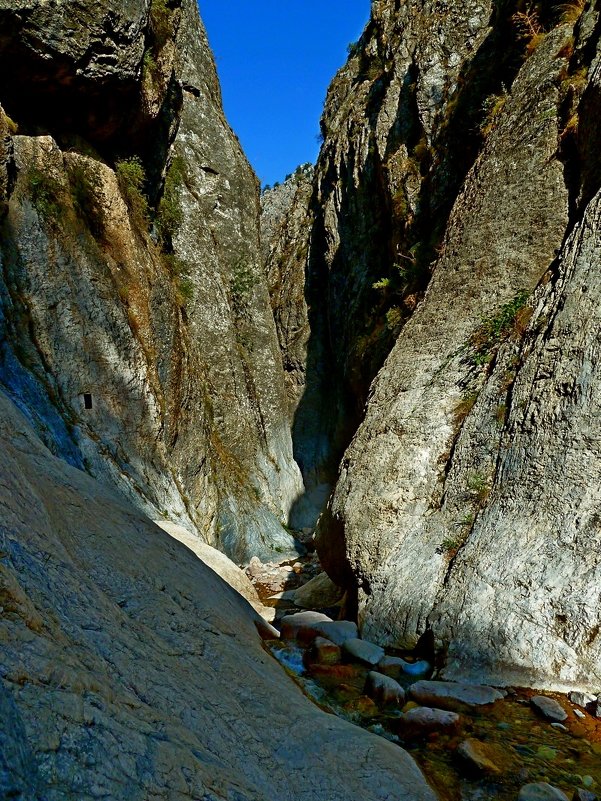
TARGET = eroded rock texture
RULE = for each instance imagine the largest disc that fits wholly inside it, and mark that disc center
(168, 330)
(464, 506)
(130, 671)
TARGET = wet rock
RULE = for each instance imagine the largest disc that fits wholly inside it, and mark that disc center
(478, 756)
(383, 689)
(302, 624)
(363, 651)
(318, 593)
(395, 666)
(342, 673)
(449, 695)
(363, 705)
(323, 652)
(582, 699)
(425, 720)
(541, 791)
(548, 708)
(339, 631)
(584, 795)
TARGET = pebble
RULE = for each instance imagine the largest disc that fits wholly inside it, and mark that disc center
(549, 708)
(541, 791)
(579, 714)
(383, 689)
(363, 651)
(584, 795)
(582, 699)
(559, 726)
(477, 756)
(446, 694)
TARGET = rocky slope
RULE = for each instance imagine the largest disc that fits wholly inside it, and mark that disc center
(129, 670)
(458, 174)
(131, 271)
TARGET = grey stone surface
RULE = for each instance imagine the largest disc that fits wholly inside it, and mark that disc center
(445, 694)
(582, 699)
(363, 651)
(549, 708)
(447, 514)
(128, 665)
(384, 689)
(425, 720)
(541, 791)
(189, 416)
(318, 593)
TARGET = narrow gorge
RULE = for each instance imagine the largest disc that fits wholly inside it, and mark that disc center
(387, 367)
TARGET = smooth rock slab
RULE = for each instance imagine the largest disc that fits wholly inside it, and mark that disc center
(424, 720)
(541, 791)
(448, 694)
(478, 756)
(363, 651)
(549, 708)
(383, 689)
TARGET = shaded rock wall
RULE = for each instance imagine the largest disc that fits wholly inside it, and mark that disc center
(170, 331)
(447, 515)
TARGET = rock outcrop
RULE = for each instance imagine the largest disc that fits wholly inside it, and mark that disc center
(129, 670)
(131, 277)
(459, 157)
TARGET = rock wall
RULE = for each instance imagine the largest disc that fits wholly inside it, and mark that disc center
(154, 306)
(464, 506)
(130, 671)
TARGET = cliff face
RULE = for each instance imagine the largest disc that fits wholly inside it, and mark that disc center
(130, 671)
(458, 174)
(131, 276)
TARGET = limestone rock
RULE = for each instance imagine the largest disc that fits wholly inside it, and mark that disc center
(446, 514)
(541, 791)
(339, 631)
(549, 708)
(172, 342)
(363, 651)
(447, 694)
(301, 624)
(383, 689)
(127, 663)
(582, 699)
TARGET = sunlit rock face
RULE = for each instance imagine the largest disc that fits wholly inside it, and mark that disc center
(129, 670)
(451, 223)
(158, 319)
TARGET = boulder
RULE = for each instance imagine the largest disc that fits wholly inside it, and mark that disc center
(363, 651)
(450, 695)
(548, 708)
(582, 699)
(302, 624)
(339, 631)
(424, 720)
(323, 652)
(383, 689)
(318, 593)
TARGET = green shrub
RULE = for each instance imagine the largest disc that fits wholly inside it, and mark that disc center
(83, 180)
(242, 282)
(45, 194)
(492, 107)
(170, 214)
(131, 177)
(186, 290)
(494, 330)
(160, 22)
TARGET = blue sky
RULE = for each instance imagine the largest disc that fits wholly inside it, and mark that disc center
(275, 59)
